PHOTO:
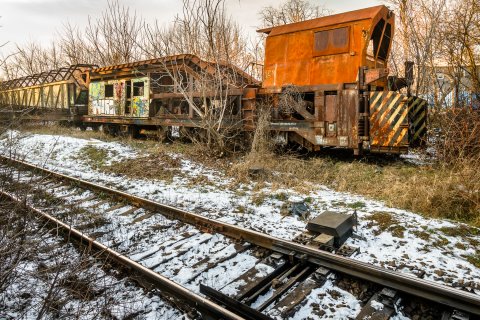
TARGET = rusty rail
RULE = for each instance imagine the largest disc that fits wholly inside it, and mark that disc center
(406, 283)
(201, 304)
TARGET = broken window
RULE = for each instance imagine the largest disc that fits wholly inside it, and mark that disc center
(381, 39)
(109, 91)
(138, 88)
(332, 41)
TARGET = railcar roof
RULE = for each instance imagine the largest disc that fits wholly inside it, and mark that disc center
(173, 60)
(55, 75)
(362, 14)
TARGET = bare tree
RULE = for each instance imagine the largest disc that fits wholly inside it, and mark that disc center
(417, 38)
(461, 47)
(291, 11)
(112, 38)
(205, 30)
(441, 38)
(74, 46)
(32, 58)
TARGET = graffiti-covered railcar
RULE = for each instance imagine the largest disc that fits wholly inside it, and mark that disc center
(160, 93)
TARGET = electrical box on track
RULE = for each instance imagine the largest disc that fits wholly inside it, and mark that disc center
(334, 225)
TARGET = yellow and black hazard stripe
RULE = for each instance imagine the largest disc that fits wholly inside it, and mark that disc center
(417, 116)
(388, 120)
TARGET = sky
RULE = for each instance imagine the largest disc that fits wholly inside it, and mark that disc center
(40, 20)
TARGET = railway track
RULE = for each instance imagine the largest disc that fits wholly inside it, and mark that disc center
(222, 270)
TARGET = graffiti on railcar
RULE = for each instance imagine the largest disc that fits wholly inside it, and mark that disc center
(119, 97)
(96, 93)
(140, 103)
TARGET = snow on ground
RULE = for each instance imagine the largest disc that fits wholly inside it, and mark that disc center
(55, 280)
(410, 244)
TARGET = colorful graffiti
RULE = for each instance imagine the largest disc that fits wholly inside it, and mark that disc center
(100, 105)
(96, 93)
(140, 107)
(119, 99)
(140, 104)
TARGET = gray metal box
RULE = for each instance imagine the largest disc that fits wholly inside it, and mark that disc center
(338, 225)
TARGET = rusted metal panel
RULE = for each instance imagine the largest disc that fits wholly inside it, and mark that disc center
(237, 76)
(357, 15)
(334, 124)
(373, 75)
(331, 108)
(327, 50)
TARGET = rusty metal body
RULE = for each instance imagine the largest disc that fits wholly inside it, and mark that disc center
(327, 50)
(326, 80)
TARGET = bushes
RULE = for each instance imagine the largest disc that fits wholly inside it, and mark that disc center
(455, 136)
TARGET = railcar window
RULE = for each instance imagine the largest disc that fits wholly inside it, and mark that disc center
(129, 89)
(332, 41)
(321, 41)
(109, 91)
(82, 97)
(138, 88)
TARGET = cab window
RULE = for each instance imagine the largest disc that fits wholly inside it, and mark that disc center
(332, 41)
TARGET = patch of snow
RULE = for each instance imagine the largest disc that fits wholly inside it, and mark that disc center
(377, 305)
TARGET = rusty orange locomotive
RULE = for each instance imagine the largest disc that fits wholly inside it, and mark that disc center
(326, 81)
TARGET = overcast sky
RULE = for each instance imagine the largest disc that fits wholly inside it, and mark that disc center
(24, 20)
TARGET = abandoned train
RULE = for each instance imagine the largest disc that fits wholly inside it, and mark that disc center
(326, 80)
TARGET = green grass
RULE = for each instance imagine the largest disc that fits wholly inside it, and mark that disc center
(474, 259)
(93, 156)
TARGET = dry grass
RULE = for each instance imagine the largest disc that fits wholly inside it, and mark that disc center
(56, 129)
(159, 166)
(451, 192)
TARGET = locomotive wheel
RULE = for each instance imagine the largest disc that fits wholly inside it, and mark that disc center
(164, 134)
(187, 134)
(110, 129)
(133, 132)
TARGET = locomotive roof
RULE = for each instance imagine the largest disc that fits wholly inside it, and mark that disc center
(362, 14)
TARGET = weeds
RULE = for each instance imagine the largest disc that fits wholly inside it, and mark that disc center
(474, 259)
(438, 191)
(148, 167)
(93, 156)
(384, 221)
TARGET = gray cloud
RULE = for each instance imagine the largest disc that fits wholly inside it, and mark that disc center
(24, 20)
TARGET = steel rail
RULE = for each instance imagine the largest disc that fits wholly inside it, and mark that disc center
(207, 307)
(426, 289)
